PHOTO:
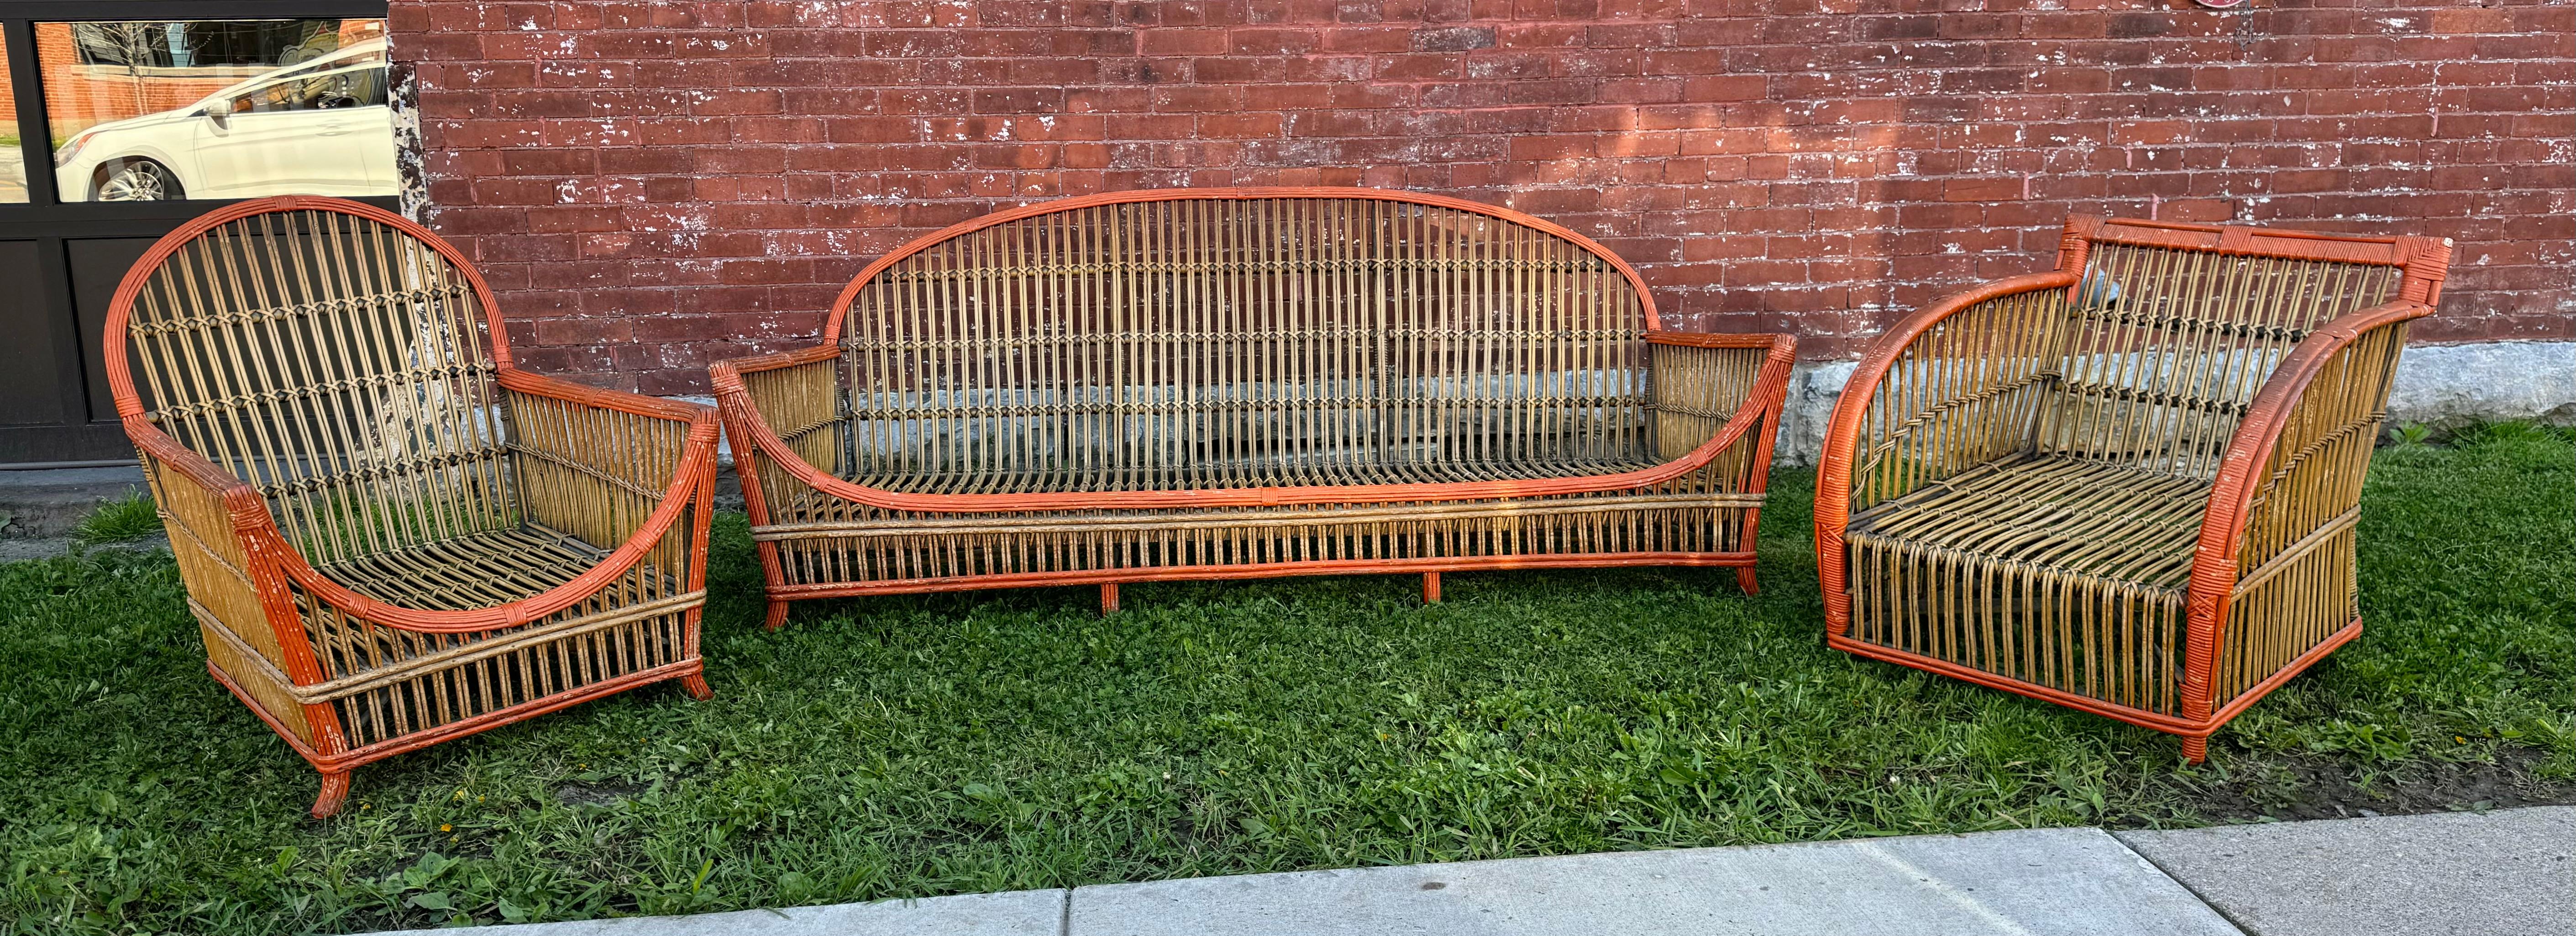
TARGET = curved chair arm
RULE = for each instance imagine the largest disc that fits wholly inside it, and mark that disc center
(1927, 402)
(800, 391)
(216, 522)
(2293, 472)
(623, 449)
(743, 416)
(690, 486)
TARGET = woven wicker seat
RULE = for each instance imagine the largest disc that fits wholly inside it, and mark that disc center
(478, 570)
(390, 536)
(2113, 523)
(1205, 383)
(2128, 486)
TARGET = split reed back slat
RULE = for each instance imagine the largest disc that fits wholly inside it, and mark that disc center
(1242, 343)
(338, 366)
(389, 535)
(2033, 485)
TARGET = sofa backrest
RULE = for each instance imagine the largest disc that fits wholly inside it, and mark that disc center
(1248, 333)
(2174, 327)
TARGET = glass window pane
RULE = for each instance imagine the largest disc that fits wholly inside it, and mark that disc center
(13, 161)
(217, 108)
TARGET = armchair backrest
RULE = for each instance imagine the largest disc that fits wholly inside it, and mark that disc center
(331, 354)
(1240, 331)
(2173, 327)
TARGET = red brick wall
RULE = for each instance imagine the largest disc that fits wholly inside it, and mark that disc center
(654, 185)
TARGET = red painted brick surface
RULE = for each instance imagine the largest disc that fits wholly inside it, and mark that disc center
(653, 185)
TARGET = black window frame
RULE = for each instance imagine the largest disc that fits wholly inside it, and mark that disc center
(53, 224)
(35, 138)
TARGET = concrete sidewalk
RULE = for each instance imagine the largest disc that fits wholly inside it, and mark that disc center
(2512, 871)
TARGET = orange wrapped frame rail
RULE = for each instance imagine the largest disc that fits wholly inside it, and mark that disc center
(391, 536)
(1227, 383)
(2128, 486)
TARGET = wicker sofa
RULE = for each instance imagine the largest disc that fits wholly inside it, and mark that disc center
(2127, 486)
(1219, 383)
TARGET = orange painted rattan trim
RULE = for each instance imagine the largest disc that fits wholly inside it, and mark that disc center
(2185, 727)
(259, 530)
(345, 760)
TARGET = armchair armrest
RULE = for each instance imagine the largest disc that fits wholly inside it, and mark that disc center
(224, 540)
(2291, 479)
(598, 463)
(1931, 400)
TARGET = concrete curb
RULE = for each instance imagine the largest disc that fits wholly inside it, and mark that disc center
(2508, 871)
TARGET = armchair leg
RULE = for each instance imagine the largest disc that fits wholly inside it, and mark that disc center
(335, 793)
(2195, 750)
(1744, 580)
(696, 685)
(777, 616)
(1108, 598)
(1431, 588)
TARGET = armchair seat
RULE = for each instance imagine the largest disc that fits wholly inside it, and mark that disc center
(477, 570)
(2049, 516)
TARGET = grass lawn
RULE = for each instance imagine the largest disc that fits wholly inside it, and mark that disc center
(932, 745)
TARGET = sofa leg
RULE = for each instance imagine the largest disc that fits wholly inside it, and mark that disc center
(1108, 598)
(696, 685)
(1431, 588)
(1744, 580)
(335, 793)
(777, 616)
(2195, 750)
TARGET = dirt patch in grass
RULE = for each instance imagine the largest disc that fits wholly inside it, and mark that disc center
(596, 794)
(2325, 788)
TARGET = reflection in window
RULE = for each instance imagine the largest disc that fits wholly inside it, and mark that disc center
(13, 161)
(145, 111)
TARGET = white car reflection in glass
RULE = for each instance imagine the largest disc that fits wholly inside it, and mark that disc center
(314, 128)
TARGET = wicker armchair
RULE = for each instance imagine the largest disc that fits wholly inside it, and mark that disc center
(390, 536)
(2127, 486)
(1224, 383)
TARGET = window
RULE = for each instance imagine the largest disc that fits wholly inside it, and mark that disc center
(13, 171)
(217, 109)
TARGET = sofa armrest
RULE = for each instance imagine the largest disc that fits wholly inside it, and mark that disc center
(781, 407)
(1701, 383)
